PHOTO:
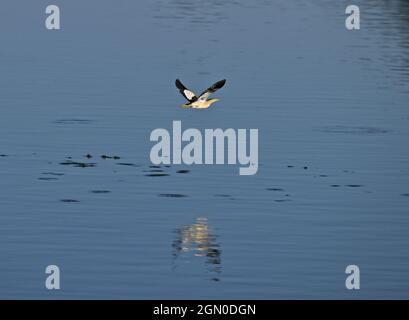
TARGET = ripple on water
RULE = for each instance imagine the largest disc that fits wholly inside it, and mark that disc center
(157, 174)
(78, 164)
(172, 195)
(274, 189)
(100, 191)
(110, 157)
(53, 173)
(128, 164)
(353, 130)
(184, 171)
(69, 200)
(74, 121)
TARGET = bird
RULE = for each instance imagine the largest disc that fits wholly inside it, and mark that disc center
(203, 101)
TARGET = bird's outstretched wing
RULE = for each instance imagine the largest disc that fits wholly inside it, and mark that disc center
(189, 95)
(205, 94)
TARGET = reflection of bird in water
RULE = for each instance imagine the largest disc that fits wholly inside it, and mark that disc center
(202, 101)
(198, 240)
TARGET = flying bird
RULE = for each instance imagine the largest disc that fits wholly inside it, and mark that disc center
(203, 101)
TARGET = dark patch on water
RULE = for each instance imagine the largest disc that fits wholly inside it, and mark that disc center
(353, 130)
(100, 191)
(290, 166)
(78, 164)
(47, 179)
(88, 156)
(172, 195)
(69, 200)
(354, 185)
(53, 173)
(282, 200)
(183, 171)
(405, 194)
(335, 185)
(323, 175)
(3, 155)
(305, 168)
(74, 121)
(155, 167)
(274, 189)
(156, 174)
(222, 195)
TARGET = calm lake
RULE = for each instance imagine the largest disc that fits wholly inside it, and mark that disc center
(78, 189)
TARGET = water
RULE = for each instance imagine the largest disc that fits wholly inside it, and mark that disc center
(332, 188)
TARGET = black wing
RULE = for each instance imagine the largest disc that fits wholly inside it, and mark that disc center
(205, 94)
(189, 95)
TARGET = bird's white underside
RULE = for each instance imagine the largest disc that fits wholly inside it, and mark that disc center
(189, 94)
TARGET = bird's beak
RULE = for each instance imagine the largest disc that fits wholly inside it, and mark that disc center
(185, 106)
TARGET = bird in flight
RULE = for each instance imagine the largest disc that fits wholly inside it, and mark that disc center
(201, 102)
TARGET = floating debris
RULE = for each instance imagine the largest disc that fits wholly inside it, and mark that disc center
(354, 185)
(88, 156)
